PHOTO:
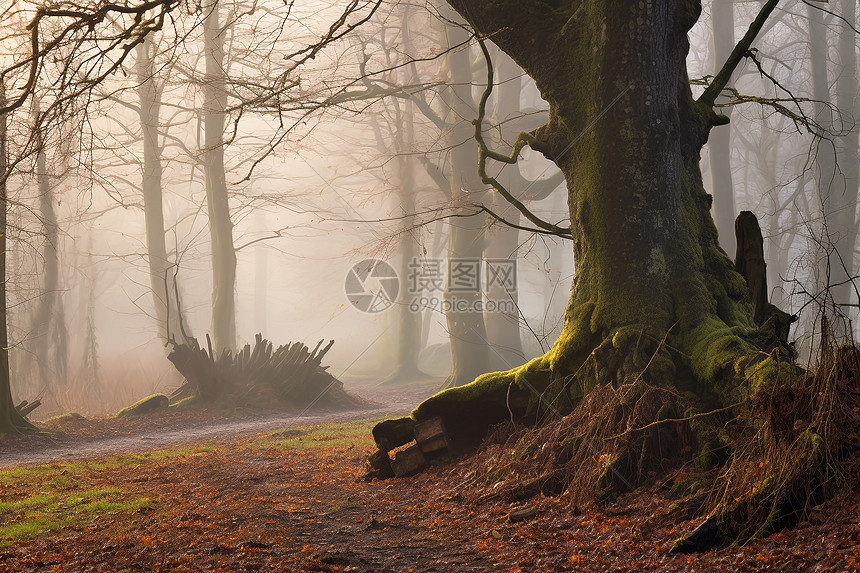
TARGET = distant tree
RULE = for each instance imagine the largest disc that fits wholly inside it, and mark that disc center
(11, 420)
(162, 272)
(719, 142)
(217, 195)
(504, 324)
(836, 158)
(49, 321)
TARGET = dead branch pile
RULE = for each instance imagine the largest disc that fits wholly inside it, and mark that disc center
(291, 374)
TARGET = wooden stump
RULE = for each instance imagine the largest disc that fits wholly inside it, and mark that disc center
(749, 262)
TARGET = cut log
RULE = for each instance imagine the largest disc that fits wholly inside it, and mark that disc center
(390, 434)
(378, 466)
(430, 436)
(408, 459)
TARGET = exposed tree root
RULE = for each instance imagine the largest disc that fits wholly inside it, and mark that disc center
(798, 456)
(290, 374)
(775, 455)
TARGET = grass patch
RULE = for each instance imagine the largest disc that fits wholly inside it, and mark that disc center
(60, 475)
(348, 434)
(48, 512)
(60, 495)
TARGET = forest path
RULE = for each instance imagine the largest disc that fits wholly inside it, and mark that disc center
(136, 435)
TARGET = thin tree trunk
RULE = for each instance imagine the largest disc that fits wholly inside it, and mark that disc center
(161, 275)
(217, 198)
(463, 291)
(719, 142)
(408, 319)
(261, 281)
(10, 420)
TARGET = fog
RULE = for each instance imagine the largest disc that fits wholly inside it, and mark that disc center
(338, 158)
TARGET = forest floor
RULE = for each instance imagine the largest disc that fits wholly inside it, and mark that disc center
(293, 500)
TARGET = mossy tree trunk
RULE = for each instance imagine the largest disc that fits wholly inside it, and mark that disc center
(627, 134)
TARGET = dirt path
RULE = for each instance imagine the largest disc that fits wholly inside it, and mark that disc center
(172, 430)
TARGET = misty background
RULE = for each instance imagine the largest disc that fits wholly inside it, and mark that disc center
(364, 151)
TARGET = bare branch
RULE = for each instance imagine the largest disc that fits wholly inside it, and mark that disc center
(523, 139)
(738, 53)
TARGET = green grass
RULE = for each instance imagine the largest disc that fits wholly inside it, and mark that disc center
(62, 496)
(48, 512)
(61, 474)
(345, 435)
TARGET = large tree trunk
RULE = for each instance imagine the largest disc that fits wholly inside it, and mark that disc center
(10, 420)
(627, 134)
(217, 198)
(161, 274)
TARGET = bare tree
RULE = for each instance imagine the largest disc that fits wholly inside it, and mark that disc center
(217, 197)
(162, 273)
(11, 420)
(719, 142)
